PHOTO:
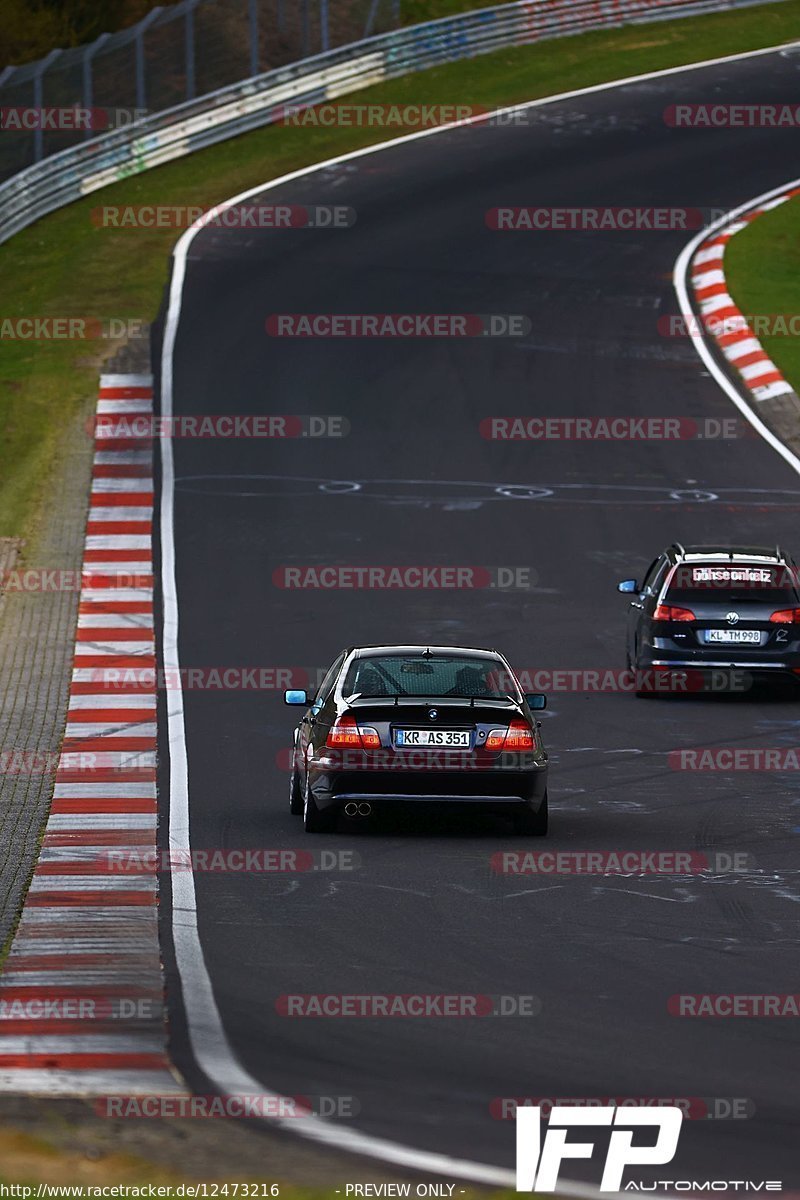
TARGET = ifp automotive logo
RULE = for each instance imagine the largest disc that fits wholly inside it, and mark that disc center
(538, 1165)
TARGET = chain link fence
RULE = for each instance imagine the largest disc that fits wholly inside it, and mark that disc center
(174, 54)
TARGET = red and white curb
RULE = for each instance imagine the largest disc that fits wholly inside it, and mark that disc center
(81, 993)
(735, 339)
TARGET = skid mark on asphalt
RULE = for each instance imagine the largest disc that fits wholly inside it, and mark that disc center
(557, 887)
(387, 887)
(601, 750)
(687, 899)
(445, 492)
(607, 349)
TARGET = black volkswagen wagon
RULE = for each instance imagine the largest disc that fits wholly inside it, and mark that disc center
(719, 609)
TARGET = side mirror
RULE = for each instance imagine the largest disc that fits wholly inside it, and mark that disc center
(536, 700)
(628, 586)
(296, 697)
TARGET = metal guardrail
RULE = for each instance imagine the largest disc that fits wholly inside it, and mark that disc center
(262, 100)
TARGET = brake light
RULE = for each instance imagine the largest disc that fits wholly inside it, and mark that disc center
(786, 616)
(517, 737)
(667, 612)
(346, 732)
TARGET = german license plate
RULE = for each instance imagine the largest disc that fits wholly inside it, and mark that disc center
(407, 739)
(750, 636)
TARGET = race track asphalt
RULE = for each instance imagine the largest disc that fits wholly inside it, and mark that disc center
(425, 912)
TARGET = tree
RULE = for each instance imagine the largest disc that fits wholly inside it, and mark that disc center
(30, 29)
(27, 31)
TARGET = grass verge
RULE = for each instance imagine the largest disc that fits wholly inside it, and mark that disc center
(762, 266)
(66, 267)
(30, 1162)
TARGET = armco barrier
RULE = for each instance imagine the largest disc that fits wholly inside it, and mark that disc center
(168, 135)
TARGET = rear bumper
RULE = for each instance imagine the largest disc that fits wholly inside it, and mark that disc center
(707, 664)
(482, 789)
(702, 673)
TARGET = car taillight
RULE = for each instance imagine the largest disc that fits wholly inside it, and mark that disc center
(517, 737)
(786, 616)
(345, 731)
(668, 612)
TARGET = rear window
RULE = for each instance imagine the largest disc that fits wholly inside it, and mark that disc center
(437, 675)
(732, 583)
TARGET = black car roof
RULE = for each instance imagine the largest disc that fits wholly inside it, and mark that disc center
(465, 651)
(729, 553)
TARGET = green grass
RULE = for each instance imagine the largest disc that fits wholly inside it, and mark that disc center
(65, 266)
(762, 266)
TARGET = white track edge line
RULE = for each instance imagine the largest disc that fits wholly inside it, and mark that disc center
(207, 1037)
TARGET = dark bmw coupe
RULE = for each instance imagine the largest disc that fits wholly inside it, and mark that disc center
(418, 724)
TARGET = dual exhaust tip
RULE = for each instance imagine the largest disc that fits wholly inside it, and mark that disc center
(352, 809)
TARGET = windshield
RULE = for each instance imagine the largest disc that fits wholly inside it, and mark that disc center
(434, 675)
(731, 583)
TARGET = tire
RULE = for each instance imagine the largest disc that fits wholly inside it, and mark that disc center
(533, 824)
(640, 693)
(295, 793)
(315, 821)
